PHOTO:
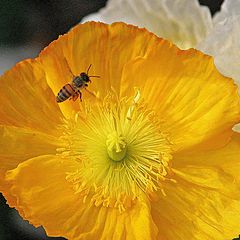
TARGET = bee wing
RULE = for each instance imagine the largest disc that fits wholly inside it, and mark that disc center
(69, 69)
(92, 94)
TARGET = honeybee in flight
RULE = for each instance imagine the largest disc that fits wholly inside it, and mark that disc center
(72, 90)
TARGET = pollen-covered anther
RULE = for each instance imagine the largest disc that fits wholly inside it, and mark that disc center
(121, 151)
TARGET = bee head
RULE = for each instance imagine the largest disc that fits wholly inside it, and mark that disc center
(84, 77)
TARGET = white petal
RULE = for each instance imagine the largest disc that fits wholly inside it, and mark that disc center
(237, 128)
(229, 8)
(184, 22)
(223, 43)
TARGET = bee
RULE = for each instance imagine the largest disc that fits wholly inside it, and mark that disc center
(72, 90)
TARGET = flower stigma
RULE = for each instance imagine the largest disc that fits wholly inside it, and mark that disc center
(116, 146)
(120, 149)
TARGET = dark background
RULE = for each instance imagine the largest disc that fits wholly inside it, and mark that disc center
(37, 23)
(41, 21)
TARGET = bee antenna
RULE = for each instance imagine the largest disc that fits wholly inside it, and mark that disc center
(95, 76)
(89, 68)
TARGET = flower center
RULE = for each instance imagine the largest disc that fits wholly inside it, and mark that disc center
(116, 146)
(121, 149)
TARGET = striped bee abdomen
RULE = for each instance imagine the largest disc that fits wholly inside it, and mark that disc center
(66, 92)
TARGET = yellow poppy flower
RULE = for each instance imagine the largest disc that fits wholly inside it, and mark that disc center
(148, 154)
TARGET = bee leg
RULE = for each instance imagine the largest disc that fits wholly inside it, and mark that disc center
(75, 96)
(80, 95)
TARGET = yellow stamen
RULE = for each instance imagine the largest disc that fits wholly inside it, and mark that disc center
(122, 152)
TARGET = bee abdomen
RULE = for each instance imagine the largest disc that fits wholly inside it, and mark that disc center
(65, 93)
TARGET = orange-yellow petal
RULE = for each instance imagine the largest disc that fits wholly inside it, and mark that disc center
(226, 158)
(204, 201)
(192, 212)
(195, 103)
(26, 99)
(38, 189)
(20, 144)
(107, 47)
(181, 86)
(29, 115)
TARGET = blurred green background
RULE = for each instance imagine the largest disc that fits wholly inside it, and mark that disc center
(27, 26)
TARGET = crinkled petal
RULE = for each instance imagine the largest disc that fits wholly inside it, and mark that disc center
(194, 212)
(38, 189)
(29, 115)
(225, 160)
(184, 22)
(107, 47)
(223, 44)
(27, 101)
(196, 104)
(204, 202)
(19, 144)
(179, 85)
